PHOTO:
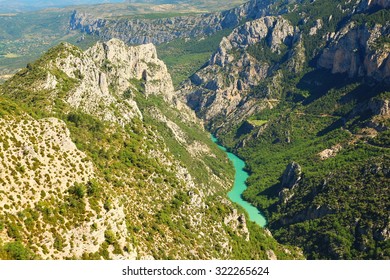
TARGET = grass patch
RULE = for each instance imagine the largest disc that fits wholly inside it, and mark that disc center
(185, 57)
(257, 122)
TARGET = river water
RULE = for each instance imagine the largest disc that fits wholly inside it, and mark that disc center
(240, 185)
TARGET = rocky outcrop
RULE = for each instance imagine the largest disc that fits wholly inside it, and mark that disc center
(318, 25)
(271, 255)
(110, 73)
(220, 89)
(292, 175)
(328, 153)
(276, 30)
(358, 51)
(380, 107)
(157, 31)
(311, 213)
(136, 62)
(238, 223)
(369, 4)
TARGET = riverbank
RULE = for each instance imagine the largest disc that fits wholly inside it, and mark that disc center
(240, 185)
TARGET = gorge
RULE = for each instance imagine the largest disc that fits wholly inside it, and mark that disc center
(104, 156)
(239, 186)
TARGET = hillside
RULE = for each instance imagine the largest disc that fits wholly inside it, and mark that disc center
(25, 35)
(302, 95)
(101, 160)
(114, 163)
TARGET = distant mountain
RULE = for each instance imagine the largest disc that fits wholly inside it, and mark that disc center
(30, 5)
(165, 27)
(102, 159)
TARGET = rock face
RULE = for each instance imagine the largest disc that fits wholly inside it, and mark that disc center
(137, 62)
(127, 173)
(143, 31)
(328, 153)
(368, 4)
(380, 107)
(110, 67)
(238, 223)
(358, 51)
(220, 89)
(157, 31)
(292, 175)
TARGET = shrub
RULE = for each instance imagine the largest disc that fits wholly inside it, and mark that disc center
(110, 237)
(79, 190)
(17, 251)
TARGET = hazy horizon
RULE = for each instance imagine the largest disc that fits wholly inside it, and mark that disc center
(7, 6)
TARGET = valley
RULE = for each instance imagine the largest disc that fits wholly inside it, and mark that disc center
(26, 35)
(268, 97)
(299, 90)
(176, 192)
(239, 186)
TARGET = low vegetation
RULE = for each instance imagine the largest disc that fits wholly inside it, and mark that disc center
(128, 191)
(184, 57)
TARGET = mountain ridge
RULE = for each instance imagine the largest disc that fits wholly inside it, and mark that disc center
(108, 187)
(301, 96)
(299, 90)
(165, 29)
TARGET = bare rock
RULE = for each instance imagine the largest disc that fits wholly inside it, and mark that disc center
(292, 175)
(238, 223)
(316, 27)
(380, 107)
(356, 51)
(271, 255)
(328, 153)
(220, 89)
(105, 72)
(162, 30)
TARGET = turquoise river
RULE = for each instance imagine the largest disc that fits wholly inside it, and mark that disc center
(240, 185)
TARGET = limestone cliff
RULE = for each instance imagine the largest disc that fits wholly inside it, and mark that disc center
(101, 161)
(310, 86)
(241, 79)
(221, 88)
(369, 4)
(103, 75)
(156, 31)
(358, 51)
